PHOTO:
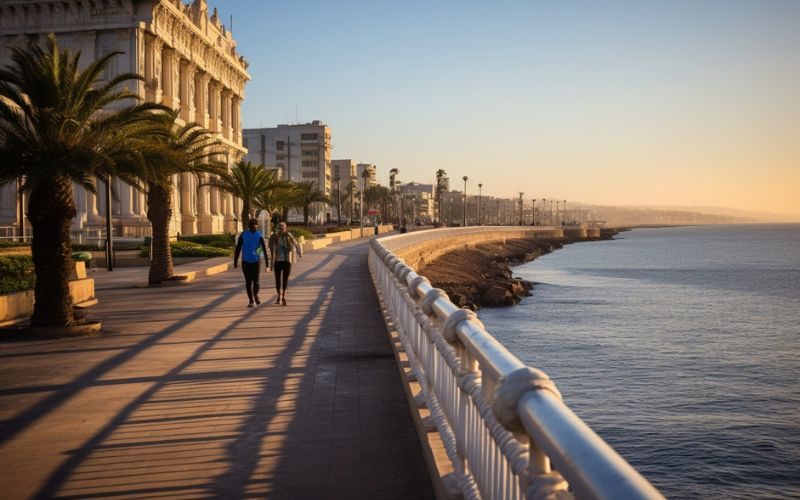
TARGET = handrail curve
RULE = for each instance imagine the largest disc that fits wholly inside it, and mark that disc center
(503, 424)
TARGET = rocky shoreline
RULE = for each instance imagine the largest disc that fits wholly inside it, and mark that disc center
(481, 276)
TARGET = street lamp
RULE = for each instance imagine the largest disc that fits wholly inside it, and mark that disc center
(364, 175)
(336, 179)
(109, 238)
(544, 209)
(564, 209)
(533, 212)
(465, 200)
(520, 208)
(480, 192)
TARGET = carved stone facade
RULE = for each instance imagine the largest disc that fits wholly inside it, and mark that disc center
(189, 62)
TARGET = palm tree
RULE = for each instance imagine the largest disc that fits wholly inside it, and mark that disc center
(59, 125)
(188, 149)
(307, 193)
(279, 195)
(245, 181)
(442, 185)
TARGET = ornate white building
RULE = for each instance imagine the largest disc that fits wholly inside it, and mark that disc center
(189, 62)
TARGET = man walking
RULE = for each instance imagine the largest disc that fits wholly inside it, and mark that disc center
(251, 246)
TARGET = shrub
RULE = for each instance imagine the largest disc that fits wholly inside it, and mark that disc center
(16, 273)
(338, 229)
(297, 232)
(85, 247)
(183, 248)
(214, 240)
(14, 244)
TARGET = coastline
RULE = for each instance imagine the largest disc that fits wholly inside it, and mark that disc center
(482, 275)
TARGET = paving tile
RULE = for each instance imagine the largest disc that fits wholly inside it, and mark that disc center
(189, 394)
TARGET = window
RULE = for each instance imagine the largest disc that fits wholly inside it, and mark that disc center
(280, 156)
(279, 165)
(309, 163)
(310, 175)
(244, 142)
(279, 145)
(308, 137)
(310, 152)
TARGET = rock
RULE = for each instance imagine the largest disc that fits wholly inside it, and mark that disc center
(497, 296)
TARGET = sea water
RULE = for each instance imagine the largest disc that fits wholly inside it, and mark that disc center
(680, 347)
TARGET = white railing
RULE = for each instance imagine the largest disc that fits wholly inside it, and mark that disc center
(503, 424)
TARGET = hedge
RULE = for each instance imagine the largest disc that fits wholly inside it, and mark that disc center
(183, 248)
(214, 240)
(297, 232)
(16, 273)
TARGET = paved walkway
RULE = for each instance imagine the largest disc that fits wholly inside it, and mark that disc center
(189, 394)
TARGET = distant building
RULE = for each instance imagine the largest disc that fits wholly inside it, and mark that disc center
(346, 170)
(372, 180)
(188, 61)
(301, 153)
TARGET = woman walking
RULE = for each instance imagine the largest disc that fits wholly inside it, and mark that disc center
(283, 247)
(250, 246)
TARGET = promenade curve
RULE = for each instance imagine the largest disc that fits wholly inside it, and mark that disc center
(188, 394)
(504, 431)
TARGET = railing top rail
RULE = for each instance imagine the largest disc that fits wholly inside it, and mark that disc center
(525, 399)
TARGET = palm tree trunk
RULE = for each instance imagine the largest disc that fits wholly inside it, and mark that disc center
(159, 211)
(245, 215)
(50, 211)
(305, 215)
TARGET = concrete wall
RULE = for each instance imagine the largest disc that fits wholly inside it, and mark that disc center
(14, 306)
(422, 247)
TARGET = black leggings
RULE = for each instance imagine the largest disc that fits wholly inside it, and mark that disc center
(282, 268)
(250, 270)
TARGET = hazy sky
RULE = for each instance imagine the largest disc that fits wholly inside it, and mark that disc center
(633, 102)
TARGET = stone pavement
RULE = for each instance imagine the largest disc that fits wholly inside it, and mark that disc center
(189, 394)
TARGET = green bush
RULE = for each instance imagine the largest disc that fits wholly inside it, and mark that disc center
(183, 248)
(14, 244)
(214, 240)
(16, 273)
(338, 229)
(298, 232)
(86, 247)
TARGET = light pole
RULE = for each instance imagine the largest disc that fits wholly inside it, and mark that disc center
(336, 179)
(564, 209)
(557, 217)
(109, 238)
(480, 193)
(21, 208)
(544, 209)
(521, 194)
(364, 175)
(533, 212)
(465, 200)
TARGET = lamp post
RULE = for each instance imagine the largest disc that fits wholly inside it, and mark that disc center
(336, 179)
(465, 200)
(564, 208)
(497, 213)
(521, 214)
(558, 219)
(544, 209)
(21, 208)
(533, 211)
(109, 238)
(480, 193)
(364, 175)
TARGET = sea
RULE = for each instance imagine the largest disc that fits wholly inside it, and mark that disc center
(680, 347)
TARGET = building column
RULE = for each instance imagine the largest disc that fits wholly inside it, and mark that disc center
(152, 68)
(215, 124)
(201, 79)
(236, 119)
(188, 203)
(187, 90)
(225, 104)
(170, 75)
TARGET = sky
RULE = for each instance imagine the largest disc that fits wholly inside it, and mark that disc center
(640, 102)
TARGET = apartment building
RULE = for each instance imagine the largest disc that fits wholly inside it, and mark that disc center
(300, 152)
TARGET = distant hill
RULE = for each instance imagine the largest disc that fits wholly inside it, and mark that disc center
(669, 215)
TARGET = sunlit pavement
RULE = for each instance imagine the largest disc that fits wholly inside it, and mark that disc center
(190, 394)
